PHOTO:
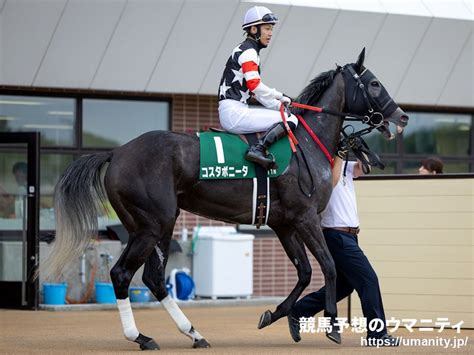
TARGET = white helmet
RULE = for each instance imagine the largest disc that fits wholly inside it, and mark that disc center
(257, 15)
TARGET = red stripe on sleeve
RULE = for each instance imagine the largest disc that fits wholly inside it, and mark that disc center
(252, 84)
(249, 66)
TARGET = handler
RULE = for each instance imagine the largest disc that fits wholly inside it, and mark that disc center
(340, 223)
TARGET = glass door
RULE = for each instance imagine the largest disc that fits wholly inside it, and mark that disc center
(19, 237)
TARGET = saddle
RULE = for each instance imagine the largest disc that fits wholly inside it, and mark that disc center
(222, 157)
(244, 137)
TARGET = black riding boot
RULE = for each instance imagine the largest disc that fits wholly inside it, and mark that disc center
(257, 153)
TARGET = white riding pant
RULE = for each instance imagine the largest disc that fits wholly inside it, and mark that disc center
(237, 117)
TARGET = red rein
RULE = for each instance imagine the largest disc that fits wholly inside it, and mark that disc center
(291, 136)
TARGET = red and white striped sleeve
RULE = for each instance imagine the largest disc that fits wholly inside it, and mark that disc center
(268, 97)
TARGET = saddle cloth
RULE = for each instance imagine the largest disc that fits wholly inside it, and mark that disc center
(222, 157)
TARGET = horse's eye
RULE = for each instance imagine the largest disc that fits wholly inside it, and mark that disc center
(375, 83)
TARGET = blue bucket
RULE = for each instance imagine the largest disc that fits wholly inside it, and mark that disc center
(54, 293)
(104, 293)
(185, 287)
(139, 294)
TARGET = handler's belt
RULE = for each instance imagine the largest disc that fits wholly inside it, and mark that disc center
(350, 230)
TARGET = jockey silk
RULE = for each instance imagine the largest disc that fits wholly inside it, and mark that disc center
(241, 77)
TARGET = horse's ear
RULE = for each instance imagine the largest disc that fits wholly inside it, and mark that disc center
(360, 61)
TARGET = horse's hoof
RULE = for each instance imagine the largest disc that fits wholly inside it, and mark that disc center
(265, 319)
(146, 343)
(201, 343)
(334, 335)
(294, 326)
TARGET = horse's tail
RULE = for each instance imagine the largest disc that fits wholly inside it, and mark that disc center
(79, 195)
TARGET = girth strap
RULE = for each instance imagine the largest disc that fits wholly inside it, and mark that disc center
(261, 190)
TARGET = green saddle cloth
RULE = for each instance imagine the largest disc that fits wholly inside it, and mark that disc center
(222, 157)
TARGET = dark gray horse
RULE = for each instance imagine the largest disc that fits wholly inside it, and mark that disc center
(151, 178)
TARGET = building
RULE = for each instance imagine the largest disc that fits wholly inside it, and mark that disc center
(91, 75)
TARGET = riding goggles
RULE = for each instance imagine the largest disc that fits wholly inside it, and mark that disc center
(269, 18)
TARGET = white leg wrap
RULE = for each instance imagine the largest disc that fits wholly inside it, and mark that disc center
(128, 322)
(182, 322)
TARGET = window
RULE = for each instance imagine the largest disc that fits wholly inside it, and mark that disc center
(390, 168)
(374, 139)
(111, 123)
(53, 117)
(438, 134)
(448, 136)
(12, 186)
(106, 123)
(411, 167)
(51, 168)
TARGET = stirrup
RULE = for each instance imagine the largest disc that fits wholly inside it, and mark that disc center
(261, 160)
(274, 164)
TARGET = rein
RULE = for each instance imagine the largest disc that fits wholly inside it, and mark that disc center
(316, 139)
(347, 117)
(376, 118)
(325, 110)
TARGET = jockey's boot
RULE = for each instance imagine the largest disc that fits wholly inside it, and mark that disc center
(257, 153)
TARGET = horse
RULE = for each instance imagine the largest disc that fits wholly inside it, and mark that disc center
(149, 179)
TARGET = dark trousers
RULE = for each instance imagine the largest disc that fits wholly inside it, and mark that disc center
(353, 272)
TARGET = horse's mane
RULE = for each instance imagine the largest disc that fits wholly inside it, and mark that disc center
(313, 91)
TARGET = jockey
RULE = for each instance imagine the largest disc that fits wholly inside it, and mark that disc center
(241, 79)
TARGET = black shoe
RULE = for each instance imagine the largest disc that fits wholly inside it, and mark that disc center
(257, 153)
(334, 335)
(384, 340)
(294, 326)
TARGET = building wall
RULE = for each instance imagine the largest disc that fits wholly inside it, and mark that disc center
(192, 113)
(419, 236)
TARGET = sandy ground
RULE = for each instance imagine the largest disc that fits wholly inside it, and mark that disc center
(230, 330)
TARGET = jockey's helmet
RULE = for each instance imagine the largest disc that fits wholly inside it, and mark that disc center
(258, 15)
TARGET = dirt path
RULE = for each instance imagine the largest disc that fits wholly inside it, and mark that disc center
(230, 330)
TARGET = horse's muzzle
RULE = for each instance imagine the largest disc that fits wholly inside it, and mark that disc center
(397, 117)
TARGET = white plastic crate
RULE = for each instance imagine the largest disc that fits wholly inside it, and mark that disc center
(223, 264)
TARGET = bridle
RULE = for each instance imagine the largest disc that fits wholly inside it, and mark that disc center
(373, 118)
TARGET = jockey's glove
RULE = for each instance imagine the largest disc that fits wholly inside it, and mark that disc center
(286, 100)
